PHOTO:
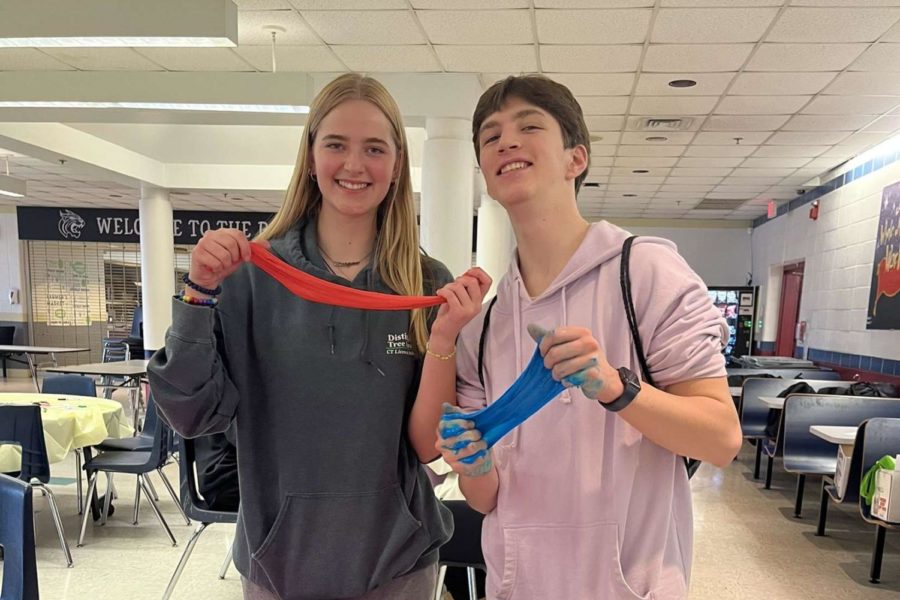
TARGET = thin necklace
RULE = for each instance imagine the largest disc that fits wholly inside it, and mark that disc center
(344, 264)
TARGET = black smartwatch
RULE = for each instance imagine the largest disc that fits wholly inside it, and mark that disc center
(632, 387)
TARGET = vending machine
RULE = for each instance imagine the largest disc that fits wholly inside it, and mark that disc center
(738, 306)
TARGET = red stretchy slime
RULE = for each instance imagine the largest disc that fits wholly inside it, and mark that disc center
(318, 290)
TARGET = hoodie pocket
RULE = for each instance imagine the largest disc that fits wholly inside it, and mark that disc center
(576, 562)
(339, 545)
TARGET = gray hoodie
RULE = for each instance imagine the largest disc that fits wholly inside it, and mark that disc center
(334, 501)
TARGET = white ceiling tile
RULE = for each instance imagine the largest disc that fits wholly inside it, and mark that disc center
(766, 163)
(851, 105)
(632, 175)
(669, 105)
(471, 59)
(750, 181)
(761, 105)
(875, 84)
(700, 58)
(738, 189)
(893, 35)
(827, 122)
(603, 105)
(884, 125)
(708, 84)
(680, 188)
(775, 84)
(789, 151)
(807, 138)
(711, 25)
(604, 123)
(252, 22)
(292, 58)
(612, 26)
(603, 84)
(601, 161)
(704, 172)
(348, 4)
(694, 181)
(710, 161)
(646, 162)
(262, 4)
(745, 123)
(648, 150)
(631, 187)
(719, 3)
(467, 4)
(832, 24)
(375, 27)
(676, 138)
(820, 165)
(880, 57)
(862, 140)
(590, 58)
(715, 138)
(592, 3)
(607, 148)
(491, 27)
(197, 59)
(103, 59)
(29, 59)
(720, 149)
(804, 57)
(388, 58)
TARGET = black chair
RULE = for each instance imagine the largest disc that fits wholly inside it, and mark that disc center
(195, 508)
(20, 580)
(72, 385)
(464, 547)
(7, 337)
(22, 425)
(879, 437)
(140, 463)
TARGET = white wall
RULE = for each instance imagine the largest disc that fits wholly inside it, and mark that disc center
(839, 250)
(10, 270)
(720, 256)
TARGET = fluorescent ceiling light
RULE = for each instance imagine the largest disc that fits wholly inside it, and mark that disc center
(132, 23)
(245, 108)
(10, 186)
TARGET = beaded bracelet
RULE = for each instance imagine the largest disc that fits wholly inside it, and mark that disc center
(440, 356)
(196, 286)
(197, 301)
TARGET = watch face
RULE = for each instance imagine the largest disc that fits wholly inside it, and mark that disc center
(629, 378)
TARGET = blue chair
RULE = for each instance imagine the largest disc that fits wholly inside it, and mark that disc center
(21, 425)
(72, 385)
(754, 414)
(20, 581)
(195, 508)
(806, 454)
(140, 463)
(464, 547)
(879, 437)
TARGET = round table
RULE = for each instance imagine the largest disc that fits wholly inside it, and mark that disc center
(69, 422)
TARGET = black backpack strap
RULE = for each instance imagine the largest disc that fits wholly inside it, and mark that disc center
(481, 340)
(625, 280)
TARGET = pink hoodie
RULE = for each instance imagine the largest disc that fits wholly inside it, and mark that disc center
(587, 508)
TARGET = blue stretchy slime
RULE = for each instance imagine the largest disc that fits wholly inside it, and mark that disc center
(534, 388)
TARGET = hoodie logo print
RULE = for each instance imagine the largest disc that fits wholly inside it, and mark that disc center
(398, 343)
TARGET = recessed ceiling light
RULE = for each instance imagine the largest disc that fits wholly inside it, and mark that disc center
(115, 196)
(591, 184)
(640, 171)
(595, 138)
(682, 83)
(657, 138)
(630, 195)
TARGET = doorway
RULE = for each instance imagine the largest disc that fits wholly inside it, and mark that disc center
(791, 288)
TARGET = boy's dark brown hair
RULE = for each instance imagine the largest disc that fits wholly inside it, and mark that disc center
(546, 94)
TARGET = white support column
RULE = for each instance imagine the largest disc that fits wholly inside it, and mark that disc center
(157, 265)
(496, 241)
(446, 208)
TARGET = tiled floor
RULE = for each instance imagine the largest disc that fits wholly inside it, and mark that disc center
(747, 545)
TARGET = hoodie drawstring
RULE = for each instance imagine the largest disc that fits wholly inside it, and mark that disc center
(364, 353)
(566, 396)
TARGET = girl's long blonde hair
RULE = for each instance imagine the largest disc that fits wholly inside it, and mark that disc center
(397, 257)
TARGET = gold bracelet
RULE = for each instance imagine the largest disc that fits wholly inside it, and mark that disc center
(440, 356)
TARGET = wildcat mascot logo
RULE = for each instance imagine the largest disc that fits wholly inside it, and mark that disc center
(70, 224)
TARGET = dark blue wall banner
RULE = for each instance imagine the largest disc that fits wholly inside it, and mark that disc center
(884, 294)
(124, 226)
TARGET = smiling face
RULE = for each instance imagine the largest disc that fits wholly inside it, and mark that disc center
(354, 158)
(523, 155)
